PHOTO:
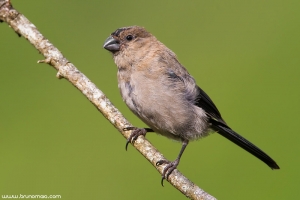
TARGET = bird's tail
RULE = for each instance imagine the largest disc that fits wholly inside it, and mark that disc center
(228, 133)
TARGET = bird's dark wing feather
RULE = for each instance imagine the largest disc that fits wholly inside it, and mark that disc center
(204, 101)
(243, 143)
(220, 126)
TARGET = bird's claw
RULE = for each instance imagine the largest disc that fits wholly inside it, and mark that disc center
(136, 132)
(130, 128)
(168, 169)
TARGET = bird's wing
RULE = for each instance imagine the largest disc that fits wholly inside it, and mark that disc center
(204, 101)
(220, 126)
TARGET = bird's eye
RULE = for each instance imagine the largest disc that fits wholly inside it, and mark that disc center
(129, 37)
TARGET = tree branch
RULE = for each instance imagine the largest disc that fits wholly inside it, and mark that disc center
(23, 27)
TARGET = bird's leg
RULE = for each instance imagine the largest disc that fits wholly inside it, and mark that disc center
(171, 165)
(136, 132)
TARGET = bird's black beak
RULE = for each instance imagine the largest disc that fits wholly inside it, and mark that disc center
(111, 44)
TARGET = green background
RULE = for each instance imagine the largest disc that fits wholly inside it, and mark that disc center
(245, 55)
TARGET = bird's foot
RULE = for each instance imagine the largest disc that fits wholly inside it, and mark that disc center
(171, 165)
(136, 132)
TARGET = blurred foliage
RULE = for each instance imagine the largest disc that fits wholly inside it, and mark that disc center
(245, 55)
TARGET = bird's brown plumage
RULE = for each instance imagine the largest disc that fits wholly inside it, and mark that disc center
(148, 71)
(161, 92)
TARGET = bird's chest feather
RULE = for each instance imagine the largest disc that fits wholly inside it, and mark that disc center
(134, 91)
(149, 99)
(127, 92)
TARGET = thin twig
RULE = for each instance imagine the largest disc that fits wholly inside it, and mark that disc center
(23, 27)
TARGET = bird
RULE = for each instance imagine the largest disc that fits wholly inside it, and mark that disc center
(159, 90)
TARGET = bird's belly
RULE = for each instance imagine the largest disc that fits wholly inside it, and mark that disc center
(167, 115)
(170, 119)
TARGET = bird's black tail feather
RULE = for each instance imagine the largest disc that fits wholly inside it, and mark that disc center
(228, 133)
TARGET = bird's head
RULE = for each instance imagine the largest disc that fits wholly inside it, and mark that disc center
(134, 47)
(126, 37)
